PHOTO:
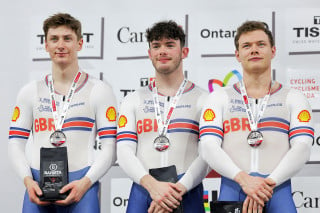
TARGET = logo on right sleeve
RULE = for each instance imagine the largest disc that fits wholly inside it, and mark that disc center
(111, 114)
(304, 116)
(16, 114)
(122, 121)
(208, 115)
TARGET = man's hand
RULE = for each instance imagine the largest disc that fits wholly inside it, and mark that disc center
(165, 194)
(182, 188)
(34, 191)
(155, 208)
(251, 206)
(256, 188)
(77, 189)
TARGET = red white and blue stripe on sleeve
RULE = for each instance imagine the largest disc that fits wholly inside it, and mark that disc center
(107, 132)
(21, 133)
(127, 136)
(301, 131)
(211, 130)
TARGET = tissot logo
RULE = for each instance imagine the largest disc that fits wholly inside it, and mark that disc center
(146, 81)
(125, 92)
(86, 38)
(126, 35)
(316, 19)
(93, 39)
(308, 31)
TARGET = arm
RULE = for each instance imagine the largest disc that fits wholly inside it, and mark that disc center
(102, 99)
(131, 164)
(198, 170)
(300, 137)
(20, 128)
(211, 137)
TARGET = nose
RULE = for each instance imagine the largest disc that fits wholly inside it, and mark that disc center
(254, 50)
(61, 44)
(163, 50)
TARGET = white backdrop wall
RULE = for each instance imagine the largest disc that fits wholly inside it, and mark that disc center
(115, 49)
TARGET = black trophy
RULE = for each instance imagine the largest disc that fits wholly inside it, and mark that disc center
(53, 173)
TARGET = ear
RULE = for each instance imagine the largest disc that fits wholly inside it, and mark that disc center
(185, 52)
(237, 56)
(46, 44)
(80, 44)
(149, 53)
(273, 50)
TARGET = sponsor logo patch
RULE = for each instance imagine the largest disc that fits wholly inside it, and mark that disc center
(16, 114)
(111, 114)
(122, 121)
(304, 116)
(208, 115)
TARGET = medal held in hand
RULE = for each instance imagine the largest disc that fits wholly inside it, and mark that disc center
(161, 143)
(57, 138)
(255, 138)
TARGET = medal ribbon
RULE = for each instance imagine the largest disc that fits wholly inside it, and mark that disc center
(163, 126)
(253, 123)
(59, 119)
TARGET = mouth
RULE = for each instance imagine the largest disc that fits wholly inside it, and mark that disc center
(164, 60)
(61, 54)
(255, 59)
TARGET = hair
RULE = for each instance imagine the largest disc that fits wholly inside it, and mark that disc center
(250, 26)
(62, 19)
(166, 29)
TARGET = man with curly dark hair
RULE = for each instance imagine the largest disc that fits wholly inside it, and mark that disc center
(158, 131)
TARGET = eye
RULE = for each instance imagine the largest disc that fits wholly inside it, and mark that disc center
(67, 38)
(155, 46)
(245, 46)
(54, 39)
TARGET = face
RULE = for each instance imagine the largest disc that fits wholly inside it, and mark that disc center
(166, 55)
(255, 52)
(63, 45)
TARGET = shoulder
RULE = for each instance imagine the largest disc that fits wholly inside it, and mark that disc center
(221, 92)
(99, 84)
(31, 87)
(135, 96)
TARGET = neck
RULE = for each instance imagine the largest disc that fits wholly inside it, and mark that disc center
(64, 74)
(63, 77)
(257, 85)
(169, 84)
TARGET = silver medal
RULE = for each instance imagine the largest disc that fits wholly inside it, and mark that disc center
(161, 143)
(255, 138)
(57, 138)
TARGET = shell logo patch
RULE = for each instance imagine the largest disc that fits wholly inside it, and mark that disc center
(111, 114)
(304, 116)
(122, 121)
(16, 114)
(208, 115)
